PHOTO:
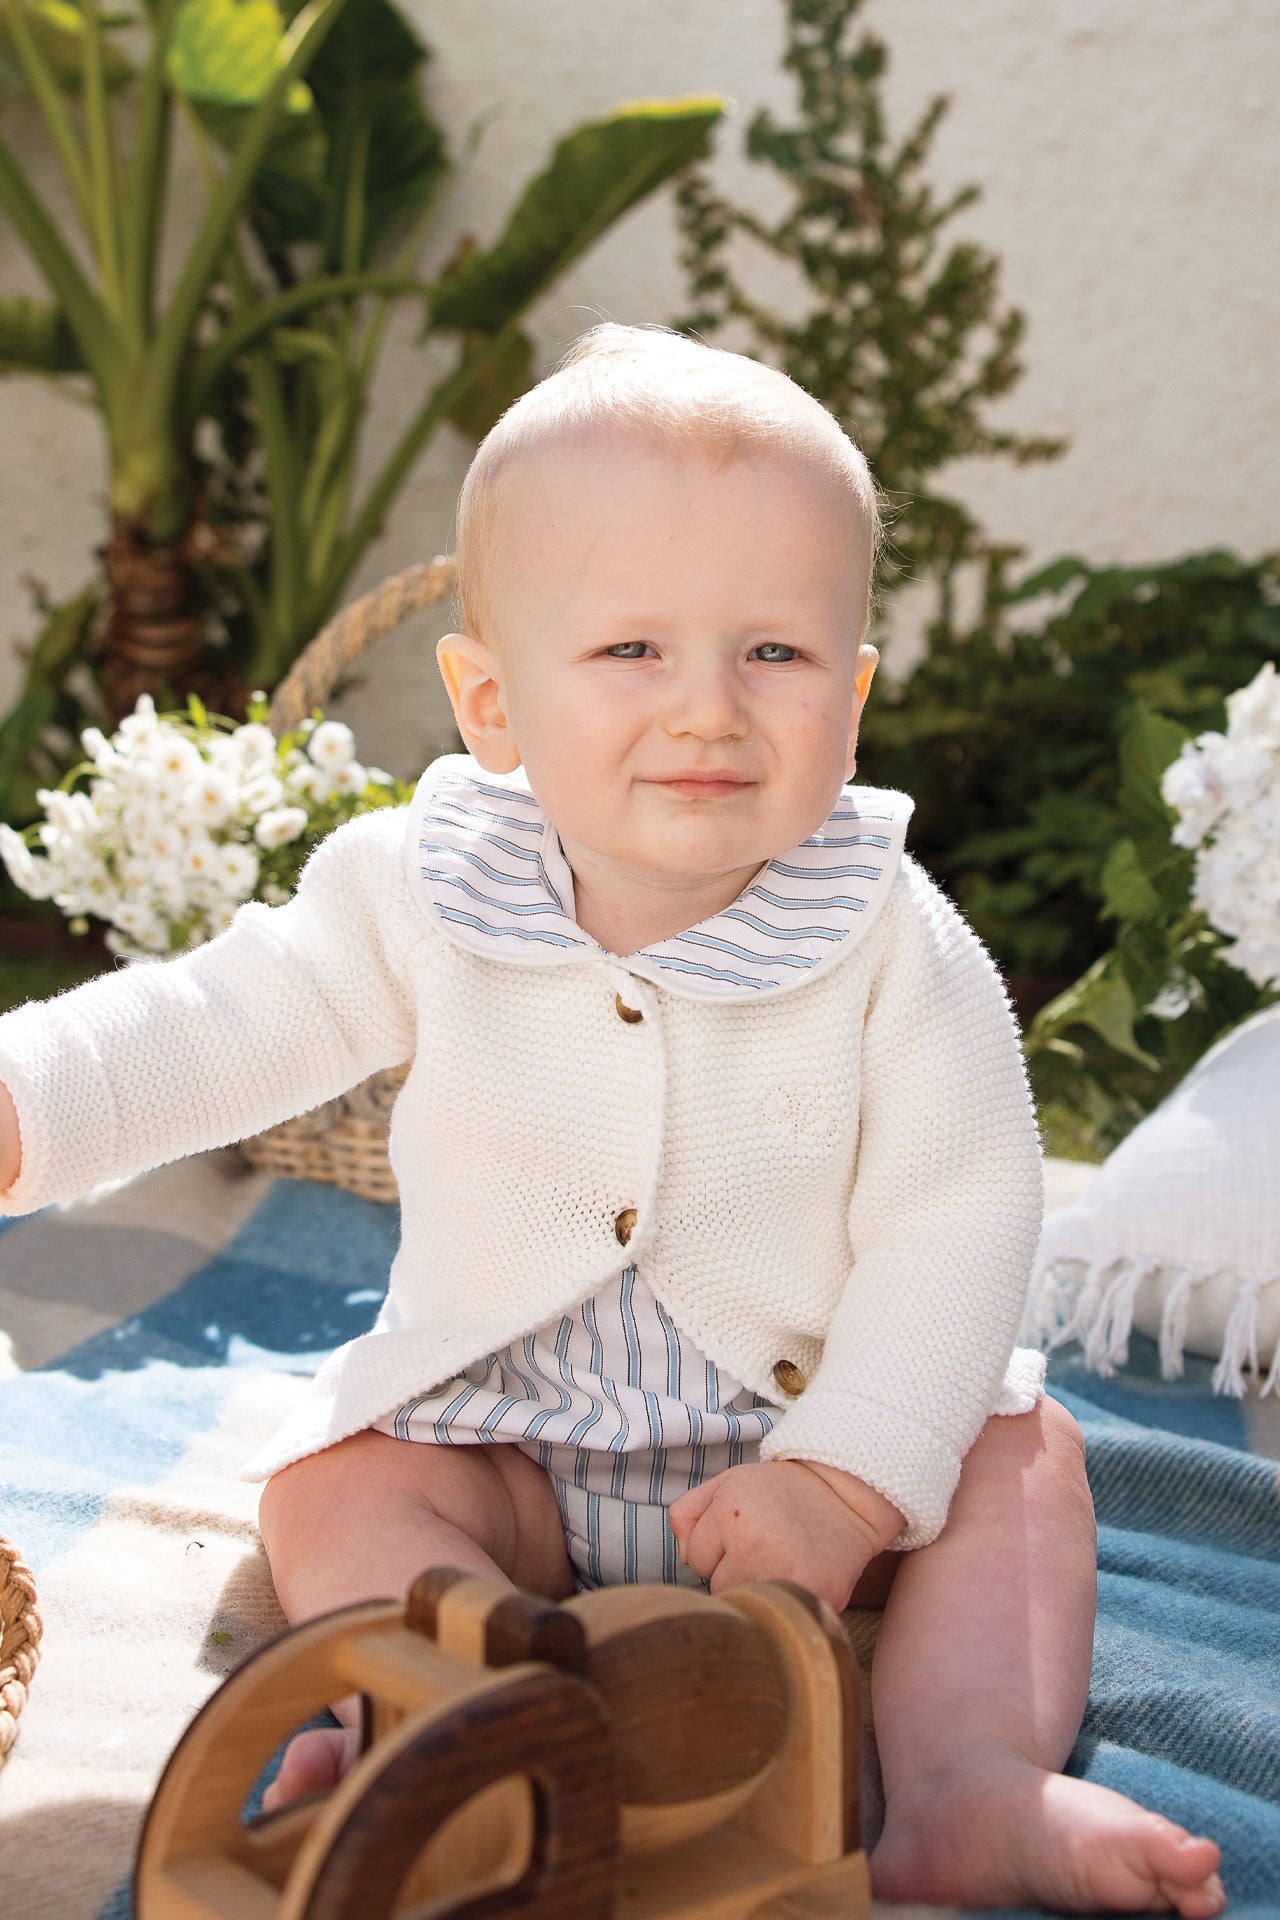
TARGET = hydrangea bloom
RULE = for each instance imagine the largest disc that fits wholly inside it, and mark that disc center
(183, 819)
(1225, 788)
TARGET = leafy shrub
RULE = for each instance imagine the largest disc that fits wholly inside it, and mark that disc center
(1106, 1051)
(1007, 737)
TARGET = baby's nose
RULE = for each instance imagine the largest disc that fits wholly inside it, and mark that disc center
(707, 702)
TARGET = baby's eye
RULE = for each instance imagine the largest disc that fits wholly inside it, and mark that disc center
(774, 649)
(622, 650)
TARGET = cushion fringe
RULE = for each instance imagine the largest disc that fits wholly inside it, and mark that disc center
(1092, 1302)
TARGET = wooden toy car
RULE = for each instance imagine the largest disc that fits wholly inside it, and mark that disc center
(639, 1752)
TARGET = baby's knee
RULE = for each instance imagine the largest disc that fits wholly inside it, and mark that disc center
(1042, 1451)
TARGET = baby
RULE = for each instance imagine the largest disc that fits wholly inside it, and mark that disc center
(719, 1172)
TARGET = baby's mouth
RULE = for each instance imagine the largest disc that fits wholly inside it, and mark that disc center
(703, 786)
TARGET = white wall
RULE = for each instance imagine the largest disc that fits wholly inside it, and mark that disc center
(1130, 168)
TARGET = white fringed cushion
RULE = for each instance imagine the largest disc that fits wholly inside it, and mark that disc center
(1179, 1233)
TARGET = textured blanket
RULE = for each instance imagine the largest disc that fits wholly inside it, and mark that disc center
(158, 1331)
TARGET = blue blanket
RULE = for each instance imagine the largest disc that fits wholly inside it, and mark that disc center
(136, 1425)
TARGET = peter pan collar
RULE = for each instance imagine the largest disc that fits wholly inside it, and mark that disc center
(488, 864)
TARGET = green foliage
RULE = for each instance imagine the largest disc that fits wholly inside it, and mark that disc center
(1106, 1051)
(24, 764)
(232, 397)
(59, 30)
(290, 407)
(1007, 739)
(905, 339)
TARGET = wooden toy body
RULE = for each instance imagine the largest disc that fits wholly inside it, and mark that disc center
(638, 1753)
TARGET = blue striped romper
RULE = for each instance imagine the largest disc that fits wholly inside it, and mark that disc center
(623, 1411)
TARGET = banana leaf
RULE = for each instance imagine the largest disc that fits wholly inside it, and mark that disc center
(498, 387)
(225, 53)
(35, 338)
(364, 156)
(58, 30)
(596, 174)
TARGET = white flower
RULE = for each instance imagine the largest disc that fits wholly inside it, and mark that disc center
(305, 778)
(158, 839)
(177, 762)
(280, 825)
(99, 749)
(1255, 709)
(141, 924)
(169, 887)
(36, 878)
(200, 858)
(142, 723)
(238, 869)
(226, 754)
(332, 745)
(1188, 788)
(262, 791)
(256, 742)
(211, 799)
(379, 777)
(351, 778)
(1225, 789)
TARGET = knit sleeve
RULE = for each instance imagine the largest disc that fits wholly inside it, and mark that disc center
(284, 1009)
(943, 1221)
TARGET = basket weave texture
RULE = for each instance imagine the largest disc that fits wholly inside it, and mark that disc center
(344, 1142)
(20, 1630)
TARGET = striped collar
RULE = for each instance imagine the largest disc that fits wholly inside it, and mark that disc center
(496, 881)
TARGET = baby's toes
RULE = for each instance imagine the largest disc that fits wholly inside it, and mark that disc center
(1199, 1895)
(1180, 1867)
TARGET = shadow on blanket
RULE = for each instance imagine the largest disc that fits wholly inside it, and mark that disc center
(118, 1474)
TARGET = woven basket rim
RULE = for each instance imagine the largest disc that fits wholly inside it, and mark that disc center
(20, 1632)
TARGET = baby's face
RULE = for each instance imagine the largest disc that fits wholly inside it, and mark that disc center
(678, 664)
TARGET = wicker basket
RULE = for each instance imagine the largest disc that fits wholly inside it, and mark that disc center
(344, 1142)
(20, 1631)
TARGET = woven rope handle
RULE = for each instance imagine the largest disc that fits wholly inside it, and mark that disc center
(20, 1630)
(318, 668)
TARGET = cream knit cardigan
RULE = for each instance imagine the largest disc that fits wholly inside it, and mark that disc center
(838, 1169)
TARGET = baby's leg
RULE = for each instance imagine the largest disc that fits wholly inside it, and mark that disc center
(979, 1686)
(363, 1519)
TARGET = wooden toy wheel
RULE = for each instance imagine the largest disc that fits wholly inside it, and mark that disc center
(540, 1723)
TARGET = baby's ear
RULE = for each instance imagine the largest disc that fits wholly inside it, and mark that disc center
(863, 673)
(471, 676)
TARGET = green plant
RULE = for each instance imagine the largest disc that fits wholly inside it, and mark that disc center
(223, 558)
(904, 339)
(301, 397)
(108, 322)
(1108, 1049)
(1006, 737)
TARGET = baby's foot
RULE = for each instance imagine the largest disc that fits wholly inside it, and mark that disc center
(997, 1831)
(313, 1762)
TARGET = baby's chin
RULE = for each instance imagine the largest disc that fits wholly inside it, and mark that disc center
(688, 855)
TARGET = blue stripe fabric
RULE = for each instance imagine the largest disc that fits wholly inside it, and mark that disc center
(792, 916)
(597, 1400)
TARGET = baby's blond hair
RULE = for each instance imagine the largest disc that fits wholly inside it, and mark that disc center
(651, 383)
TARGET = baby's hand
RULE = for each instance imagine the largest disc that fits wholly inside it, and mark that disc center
(783, 1520)
(10, 1143)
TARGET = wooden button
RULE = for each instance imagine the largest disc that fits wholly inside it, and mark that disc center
(789, 1377)
(629, 1014)
(625, 1224)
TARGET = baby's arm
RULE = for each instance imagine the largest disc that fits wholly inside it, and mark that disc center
(283, 1010)
(943, 1220)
